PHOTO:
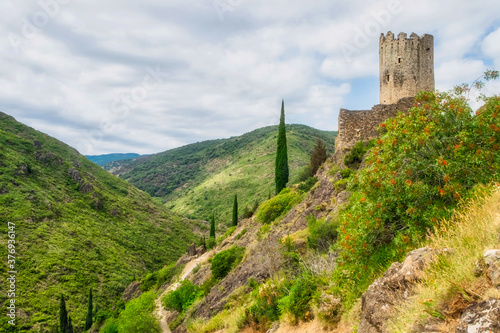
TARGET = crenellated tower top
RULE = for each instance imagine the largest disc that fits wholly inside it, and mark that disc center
(406, 66)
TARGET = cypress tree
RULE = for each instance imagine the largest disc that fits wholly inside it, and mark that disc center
(318, 156)
(212, 226)
(235, 210)
(281, 169)
(70, 325)
(88, 320)
(63, 316)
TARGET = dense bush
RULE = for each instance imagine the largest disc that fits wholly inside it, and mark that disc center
(346, 173)
(305, 173)
(298, 302)
(340, 185)
(110, 326)
(149, 281)
(167, 273)
(424, 164)
(181, 298)
(136, 317)
(307, 185)
(224, 261)
(274, 207)
(322, 234)
(265, 310)
(355, 156)
(249, 211)
(159, 277)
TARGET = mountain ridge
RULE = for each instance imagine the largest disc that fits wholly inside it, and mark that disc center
(203, 173)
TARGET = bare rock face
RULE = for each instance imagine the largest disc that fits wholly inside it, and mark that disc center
(343, 197)
(481, 317)
(191, 250)
(382, 297)
(200, 250)
(492, 261)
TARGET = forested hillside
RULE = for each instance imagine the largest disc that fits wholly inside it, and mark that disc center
(76, 227)
(197, 179)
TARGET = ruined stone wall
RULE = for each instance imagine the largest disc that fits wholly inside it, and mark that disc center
(355, 126)
(406, 66)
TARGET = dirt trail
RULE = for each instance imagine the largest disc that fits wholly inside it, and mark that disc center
(160, 312)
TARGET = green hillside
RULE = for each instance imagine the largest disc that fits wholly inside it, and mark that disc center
(200, 178)
(76, 227)
(108, 158)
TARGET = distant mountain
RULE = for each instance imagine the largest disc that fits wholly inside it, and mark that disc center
(201, 178)
(107, 158)
(76, 227)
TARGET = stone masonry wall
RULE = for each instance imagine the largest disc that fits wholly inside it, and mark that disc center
(406, 66)
(355, 126)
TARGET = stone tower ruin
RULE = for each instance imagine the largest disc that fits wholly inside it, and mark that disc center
(406, 66)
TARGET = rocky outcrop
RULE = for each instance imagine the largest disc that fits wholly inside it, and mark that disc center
(382, 297)
(132, 291)
(492, 261)
(77, 178)
(191, 250)
(75, 175)
(481, 317)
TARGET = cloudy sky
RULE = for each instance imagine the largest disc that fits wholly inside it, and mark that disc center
(146, 76)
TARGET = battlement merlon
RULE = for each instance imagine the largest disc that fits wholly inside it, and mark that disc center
(403, 36)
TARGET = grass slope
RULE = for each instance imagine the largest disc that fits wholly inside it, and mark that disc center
(108, 158)
(200, 178)
(90, 229)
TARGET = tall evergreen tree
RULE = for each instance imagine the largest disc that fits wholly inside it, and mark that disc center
(281, 169)
(63, 316)
(318, 156)
(70, 325)
(88, 320)
(212, 226)
(235, 210)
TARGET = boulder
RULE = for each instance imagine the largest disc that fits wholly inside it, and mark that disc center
(492, 261)
(75, 175)
(383, 296)
(201, 250)
(481, 317)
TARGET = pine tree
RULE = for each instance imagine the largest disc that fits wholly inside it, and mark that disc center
(88, 320)
(281, 169)
(318, 156)
(70, 325)
(63, 316)
(235, 210)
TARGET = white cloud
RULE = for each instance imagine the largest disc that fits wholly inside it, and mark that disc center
(491, 47)
(225, 77)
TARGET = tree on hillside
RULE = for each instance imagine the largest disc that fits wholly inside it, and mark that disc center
(211, 238)
(88, 320)
(318, 156)
(281, 168)
(70, 325)
(63, 316)
(212, 226)
(235, 210)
